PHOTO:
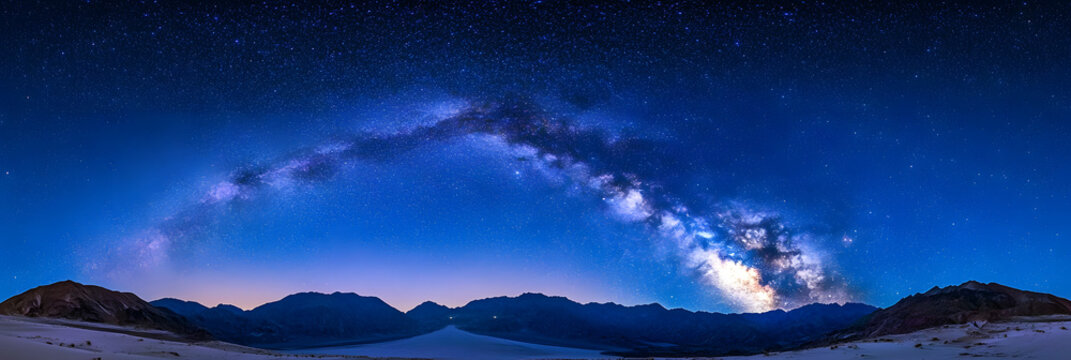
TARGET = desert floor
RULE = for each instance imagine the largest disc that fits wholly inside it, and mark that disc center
(452, 343)
(1026, 338)
(40, 339)
(23, 338)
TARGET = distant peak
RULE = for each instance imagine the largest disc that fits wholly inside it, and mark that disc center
(320, 294)
(430, 303)
(336, 299)
(534, 295)
(171, 299)
(229, 307)
(429, 307)
(653, 305)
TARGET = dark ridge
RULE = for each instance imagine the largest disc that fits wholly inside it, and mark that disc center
(644, 330)
(303, 320)
(181, 307)
(74, 301)
(960, 304)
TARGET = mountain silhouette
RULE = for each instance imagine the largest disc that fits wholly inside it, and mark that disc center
(971, 301)
(646, 330)
(74, 301)
(300, 320)
(181, 307)
(308, 319)
(430, 316)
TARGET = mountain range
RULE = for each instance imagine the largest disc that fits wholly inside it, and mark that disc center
(641, 330)
(300, 320)
(312, 319)
(315, 319)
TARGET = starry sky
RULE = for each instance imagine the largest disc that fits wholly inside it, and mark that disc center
(732, 157)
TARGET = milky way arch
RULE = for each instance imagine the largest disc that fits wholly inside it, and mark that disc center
(752, 258)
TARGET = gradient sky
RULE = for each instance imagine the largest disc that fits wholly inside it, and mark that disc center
(907, 146)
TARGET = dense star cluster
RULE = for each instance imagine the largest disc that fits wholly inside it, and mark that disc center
(751, 257)
(729, 156)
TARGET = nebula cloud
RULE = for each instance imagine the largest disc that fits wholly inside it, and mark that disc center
(752, 258)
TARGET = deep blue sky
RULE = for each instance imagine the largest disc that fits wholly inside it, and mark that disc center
(913, 145)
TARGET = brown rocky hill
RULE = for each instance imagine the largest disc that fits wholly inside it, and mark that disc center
(971, 301)
(74, 301)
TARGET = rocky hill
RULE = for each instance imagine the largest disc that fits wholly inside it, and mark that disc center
(970, 301)
(74, 301)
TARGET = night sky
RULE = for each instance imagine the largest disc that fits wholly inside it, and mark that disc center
(736, 157)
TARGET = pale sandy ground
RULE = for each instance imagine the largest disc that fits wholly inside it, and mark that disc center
(38, 339)
(1026, 338)
(452, 343)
